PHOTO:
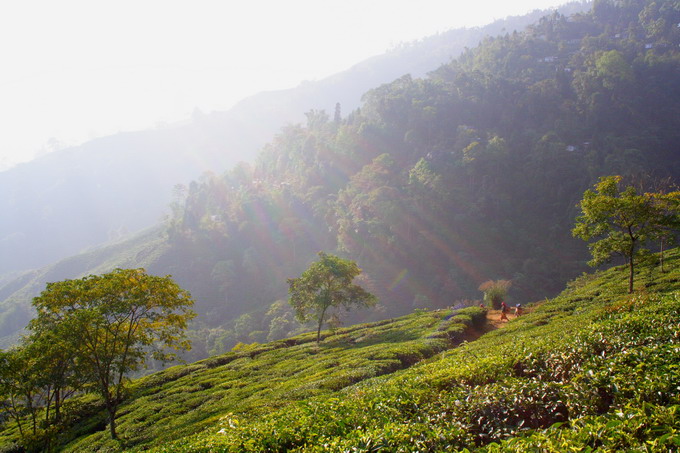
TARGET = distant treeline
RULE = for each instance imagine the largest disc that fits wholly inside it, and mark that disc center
(435, 185)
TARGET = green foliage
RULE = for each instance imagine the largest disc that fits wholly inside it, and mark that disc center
(599, 372)
(257, 379)
(593, 368)
(623, 221)
(326, 285)
(495, 291)
(434, 185)
(107, 326)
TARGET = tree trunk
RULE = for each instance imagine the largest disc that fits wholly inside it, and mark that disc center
(112, 421)
(17, 417)
(630, 277)
(318, 330)
(34, 418)
(57, 407)
(47, 409)
(631, 257)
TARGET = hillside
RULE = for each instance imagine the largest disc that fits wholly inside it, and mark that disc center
(434, 185)
(111, 187)
(593, 368)
(143, 250)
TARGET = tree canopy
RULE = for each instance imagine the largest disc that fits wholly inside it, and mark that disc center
(622, 221)
(112, 324)
(324, 286)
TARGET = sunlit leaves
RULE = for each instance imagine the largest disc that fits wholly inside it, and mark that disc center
(621, 221)
(327, 284)
(113, 323)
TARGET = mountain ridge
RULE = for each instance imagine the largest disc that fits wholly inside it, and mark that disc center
(594, 359)
(133, 193)
(434, 185)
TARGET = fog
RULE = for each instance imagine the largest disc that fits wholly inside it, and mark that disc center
(74, 70)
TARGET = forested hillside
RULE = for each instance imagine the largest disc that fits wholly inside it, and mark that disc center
(105, 189)
(435, 185)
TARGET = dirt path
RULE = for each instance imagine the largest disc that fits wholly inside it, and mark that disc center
(493, 322)
(493, 317)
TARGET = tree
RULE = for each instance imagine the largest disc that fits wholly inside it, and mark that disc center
(19, 387)
(621, 222)
(36, 377)
(113, 323)
(668, 205)
(337, 117)
(324, 286)
(495, 291)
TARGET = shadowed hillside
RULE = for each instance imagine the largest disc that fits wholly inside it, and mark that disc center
(76, 198)
(593, 368)
(433, 186)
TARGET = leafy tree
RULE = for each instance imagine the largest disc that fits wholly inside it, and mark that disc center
(114, 323)
(621, 222)
(244, 325)
(668, 206)
(19, 387)
(36, 377)
(61, 376)
(613, 69)
(279, 327)
(326, 285)
(337, 117)
(495, 291)
(281, 320)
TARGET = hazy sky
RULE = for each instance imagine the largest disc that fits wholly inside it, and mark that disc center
(78, 69)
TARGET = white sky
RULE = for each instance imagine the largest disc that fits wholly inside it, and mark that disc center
(72, 70)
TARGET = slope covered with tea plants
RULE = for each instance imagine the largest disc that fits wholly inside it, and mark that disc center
(594, 369)
(254, 380)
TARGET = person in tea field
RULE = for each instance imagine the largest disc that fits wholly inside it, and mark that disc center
(504, 311)
(518, 309)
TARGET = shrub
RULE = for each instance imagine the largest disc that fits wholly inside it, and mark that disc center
(495, 291)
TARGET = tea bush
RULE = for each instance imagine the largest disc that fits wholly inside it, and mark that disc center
(257, 380)
(594, 369)
(591, 370)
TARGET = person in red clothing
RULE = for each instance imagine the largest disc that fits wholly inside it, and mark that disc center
(504, 311)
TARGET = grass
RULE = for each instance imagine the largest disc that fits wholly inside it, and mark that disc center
(258, 380)
(594, 369)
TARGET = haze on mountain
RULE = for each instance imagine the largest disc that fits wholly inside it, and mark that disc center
(433, 185)
(106, 188)
(77, 70)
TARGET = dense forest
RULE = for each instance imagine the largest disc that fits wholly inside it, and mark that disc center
(433, 186)
(437, 188)
(122, 183)
(437, 184)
